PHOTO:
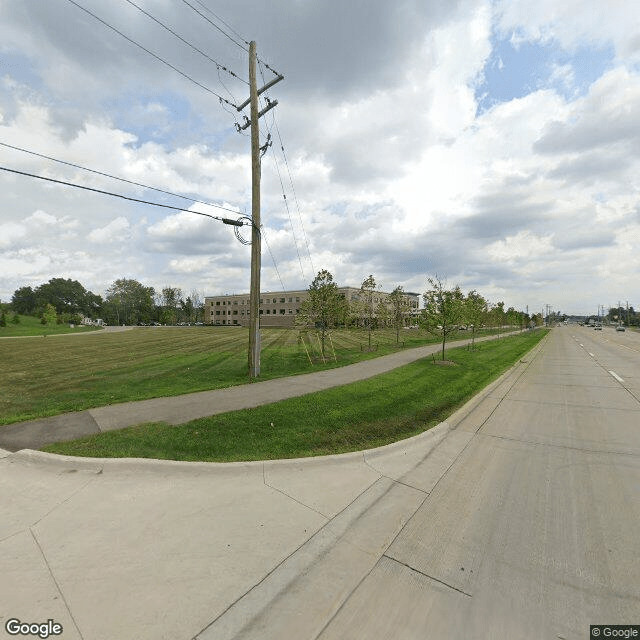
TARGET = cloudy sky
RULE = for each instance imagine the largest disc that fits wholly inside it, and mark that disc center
(495, 143)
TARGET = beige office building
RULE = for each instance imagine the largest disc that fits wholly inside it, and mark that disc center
(278, 308)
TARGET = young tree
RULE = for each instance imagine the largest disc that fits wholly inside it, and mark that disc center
(475, 312)
(497, 315)
(399, 307)
(324, 307)
(366, 307)
(443, 310)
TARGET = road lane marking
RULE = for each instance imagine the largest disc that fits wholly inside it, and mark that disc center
(616, 376)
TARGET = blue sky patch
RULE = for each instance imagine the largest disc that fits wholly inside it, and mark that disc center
(514, 71)
(21, 68)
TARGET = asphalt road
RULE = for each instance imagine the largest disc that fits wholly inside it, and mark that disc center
(518, 518)
(534, 529)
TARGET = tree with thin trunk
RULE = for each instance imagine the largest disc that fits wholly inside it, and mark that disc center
(324, 307)
(443, 310)
(475, 312)
(399, 308)
(366, 305)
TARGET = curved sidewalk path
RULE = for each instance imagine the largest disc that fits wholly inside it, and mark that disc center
(180, 409)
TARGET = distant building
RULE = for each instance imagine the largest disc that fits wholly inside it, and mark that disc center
(279, 308)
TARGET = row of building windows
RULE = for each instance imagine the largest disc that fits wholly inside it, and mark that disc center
(282, 312)
(235, 303)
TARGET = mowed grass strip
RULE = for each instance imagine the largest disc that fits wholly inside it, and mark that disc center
(42, 377)
(362, 415)
(30, 326)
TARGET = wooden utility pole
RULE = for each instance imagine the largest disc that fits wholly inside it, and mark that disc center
(254, 294)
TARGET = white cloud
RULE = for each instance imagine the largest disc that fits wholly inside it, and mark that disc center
(523, 246)
(11, 233)
(394, 171)
(118, 230)
(573, 23)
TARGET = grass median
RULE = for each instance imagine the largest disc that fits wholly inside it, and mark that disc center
(362, 415)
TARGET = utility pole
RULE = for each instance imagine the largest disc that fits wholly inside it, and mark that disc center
(256, 245)
(254, 292)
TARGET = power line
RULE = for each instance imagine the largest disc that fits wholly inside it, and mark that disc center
(264, 236)
(119, 195)
(226, 24)
(213, 24)
(156, 56)
(286, 204)
(246, 42)
(108, 175)
(189, 44)
(295, 197)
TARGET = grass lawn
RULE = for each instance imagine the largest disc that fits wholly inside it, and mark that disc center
(42, 377)
(366, 414)
(30, 326)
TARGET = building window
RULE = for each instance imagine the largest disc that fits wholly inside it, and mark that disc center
(281, 312)
(281, 300)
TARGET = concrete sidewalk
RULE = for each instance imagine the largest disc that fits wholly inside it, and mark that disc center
(34, 434)
(151, 549)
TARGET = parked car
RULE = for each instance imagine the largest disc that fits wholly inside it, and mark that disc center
(597, 326)
(619, 328)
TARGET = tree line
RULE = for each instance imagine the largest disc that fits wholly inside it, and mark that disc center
(446, 310)
(126, 301)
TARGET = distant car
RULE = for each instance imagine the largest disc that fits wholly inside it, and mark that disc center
(598, 327)
(619, 328)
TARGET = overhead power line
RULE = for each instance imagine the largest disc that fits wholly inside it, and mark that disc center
(119, 195)
(189, 44)
(151, 53)
(295, 197)
(226, 24)
(108, 175)
(213, 24)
